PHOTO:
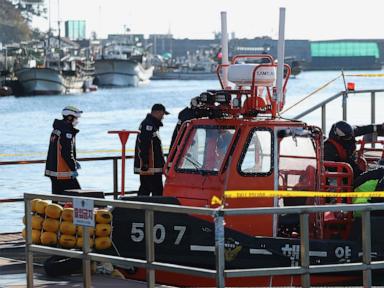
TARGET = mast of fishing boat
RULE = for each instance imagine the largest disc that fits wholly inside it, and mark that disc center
(278, 98)
(224, 48)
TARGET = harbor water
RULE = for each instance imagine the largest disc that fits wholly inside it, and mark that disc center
(27, 122)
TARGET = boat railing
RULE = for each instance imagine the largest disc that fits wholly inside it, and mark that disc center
(344, 96)
(220, 273)
(114, 159)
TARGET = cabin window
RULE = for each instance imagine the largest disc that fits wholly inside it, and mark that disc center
(297, 164)
(206, 149)
(256, 158)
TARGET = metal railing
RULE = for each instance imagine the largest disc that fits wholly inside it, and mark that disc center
(344, 95)
(114, 193)
(220, 273)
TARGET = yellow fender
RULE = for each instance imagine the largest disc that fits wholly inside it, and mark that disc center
(33, 204)
(67, 228)
(35, 235)
(67, 241)
(53, 211)
(36, 221)
(79, 242)
(103, 230)
(48, 238)
(102, 243)
(51, 225)
(41, 205)
(67, 214)
(90, 229)
(103, 216)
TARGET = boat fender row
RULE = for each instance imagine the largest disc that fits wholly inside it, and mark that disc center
(53, 224)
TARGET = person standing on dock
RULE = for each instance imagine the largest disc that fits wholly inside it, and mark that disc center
(61, 166)
(341, 143)
(149, 157)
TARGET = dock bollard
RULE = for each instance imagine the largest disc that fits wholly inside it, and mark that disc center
(123, 135)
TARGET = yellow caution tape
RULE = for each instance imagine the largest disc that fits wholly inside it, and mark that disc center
(366, 75)
(236, 194)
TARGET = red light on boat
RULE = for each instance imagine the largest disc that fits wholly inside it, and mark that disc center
(351, 86)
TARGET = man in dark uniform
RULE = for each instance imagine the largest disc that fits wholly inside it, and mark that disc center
(61, 166)
(149, 157)
(341, 143)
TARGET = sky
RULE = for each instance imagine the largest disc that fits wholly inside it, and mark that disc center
(199, 19)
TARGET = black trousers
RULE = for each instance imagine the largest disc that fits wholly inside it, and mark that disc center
(59, 186)
(151, 183)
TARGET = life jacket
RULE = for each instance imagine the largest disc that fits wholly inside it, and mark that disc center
(341, 151)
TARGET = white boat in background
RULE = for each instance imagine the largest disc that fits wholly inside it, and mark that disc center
(122, 65)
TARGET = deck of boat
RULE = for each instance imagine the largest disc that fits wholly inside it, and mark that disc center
(12, 269)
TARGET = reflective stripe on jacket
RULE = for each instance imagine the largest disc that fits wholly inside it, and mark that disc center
(61, 158)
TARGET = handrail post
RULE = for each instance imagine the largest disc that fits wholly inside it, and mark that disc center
(366, 245)
(324, 118)
(344, 105)
(150, 248)
(87, 281)
(219, 248)
(373, 115)
(115, 180)
(28, 241)
(304, 250)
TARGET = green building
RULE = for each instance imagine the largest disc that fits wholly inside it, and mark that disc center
(75, 29)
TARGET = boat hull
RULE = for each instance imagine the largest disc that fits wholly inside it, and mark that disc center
(188, 240)
(40, 81)
(120, 73)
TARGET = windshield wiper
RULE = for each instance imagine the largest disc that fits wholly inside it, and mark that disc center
(193, 161)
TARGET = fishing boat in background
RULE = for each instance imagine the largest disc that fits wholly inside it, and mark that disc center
(122, 64)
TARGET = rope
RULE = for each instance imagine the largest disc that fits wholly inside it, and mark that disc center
(311, 94)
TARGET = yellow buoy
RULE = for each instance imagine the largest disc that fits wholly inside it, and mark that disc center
(103, 216)
(67, 214)
(80, 231)
(102, 243)
(35, 235)
(79, 242)
(51, 225)
(48, 238)
(103, 230)
(36, 221)
(41, 205)
(67, 228)
(53, 211)
(33, 204)
(67, 241)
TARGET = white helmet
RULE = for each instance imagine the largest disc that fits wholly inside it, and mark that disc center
(71, 111)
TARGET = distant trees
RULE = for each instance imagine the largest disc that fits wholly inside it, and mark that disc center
(15, 18)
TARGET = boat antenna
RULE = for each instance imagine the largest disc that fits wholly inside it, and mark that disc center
(280, 59)
(278, 97)
(224, 48)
